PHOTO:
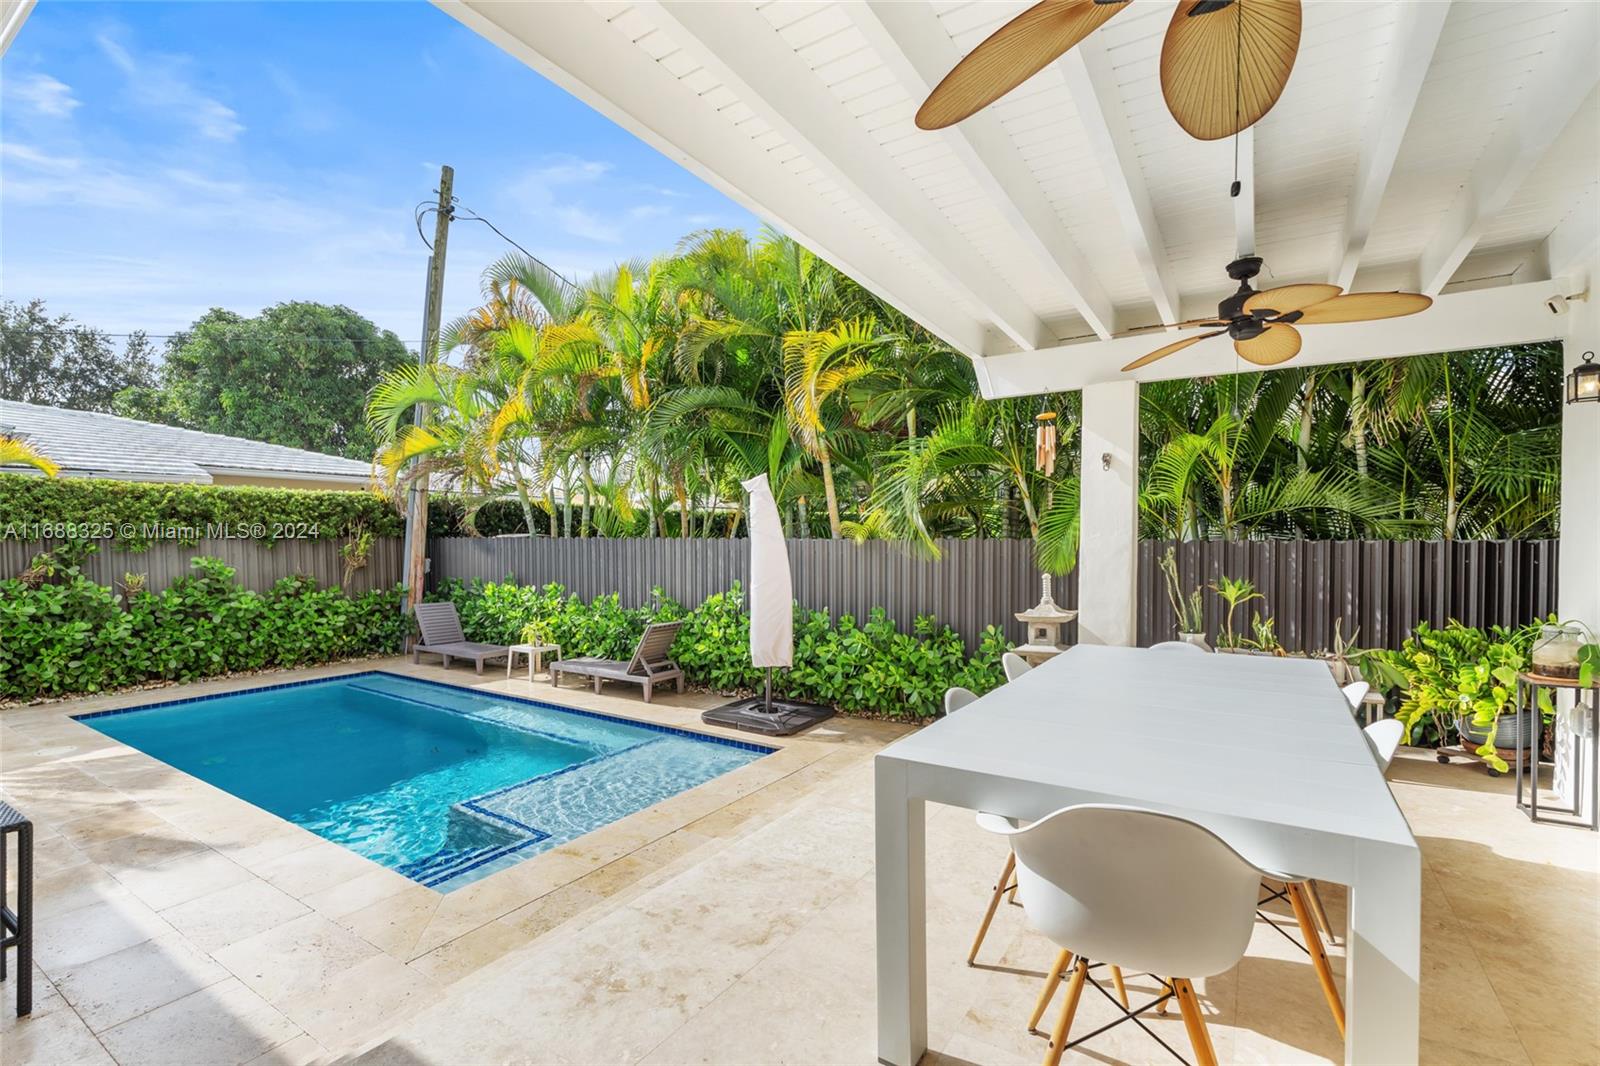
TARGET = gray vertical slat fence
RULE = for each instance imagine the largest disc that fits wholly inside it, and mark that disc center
(976, 583)
(259, 564)
(1382, 587)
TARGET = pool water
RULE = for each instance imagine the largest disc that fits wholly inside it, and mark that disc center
(444, 784)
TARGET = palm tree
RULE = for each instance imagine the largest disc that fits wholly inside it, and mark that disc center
(820, 366)
(17, 452)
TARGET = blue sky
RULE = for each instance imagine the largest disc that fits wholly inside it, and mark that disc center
(160, 159)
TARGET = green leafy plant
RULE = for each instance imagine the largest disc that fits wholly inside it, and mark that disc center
(1234, 592)
(1458, 674)
(72, 635)
(869, 667)
(1264, 635)
(1188, 610)
(134, 509)
(356, 551)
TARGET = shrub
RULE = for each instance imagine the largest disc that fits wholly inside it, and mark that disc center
(96, 502)
(71, 635)
(870, 668)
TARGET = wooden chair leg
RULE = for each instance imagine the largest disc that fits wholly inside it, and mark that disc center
(1122, 989)
(1318, 914)
(1069, 1007)
(1195, 1022)
(1161, 989)
(994, 903)
(1319, 957)
(1052, 981)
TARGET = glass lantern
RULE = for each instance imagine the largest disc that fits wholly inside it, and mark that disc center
(1583, 384)
(1555, 652)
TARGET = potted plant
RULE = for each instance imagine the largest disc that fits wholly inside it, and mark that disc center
(1566, 650)
(1464, 679)
(1235, 592)
(1188, 610)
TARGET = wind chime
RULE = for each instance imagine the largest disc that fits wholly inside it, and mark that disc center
(1044, 443)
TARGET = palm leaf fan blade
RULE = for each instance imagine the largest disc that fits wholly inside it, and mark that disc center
(1288, 298)
(1364, 307)
(1223, 69)
(1010, 56)
(1175, 346)
(1277, 344)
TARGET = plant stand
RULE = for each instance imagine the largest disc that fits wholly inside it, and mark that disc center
(1586, 700)
(16, 926)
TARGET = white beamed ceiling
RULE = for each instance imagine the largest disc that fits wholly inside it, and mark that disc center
(803, 112)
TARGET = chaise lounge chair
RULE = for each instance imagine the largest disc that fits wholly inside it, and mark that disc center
(442, 636)
(648, 667)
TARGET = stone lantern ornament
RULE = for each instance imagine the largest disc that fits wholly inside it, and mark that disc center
(1044, 621)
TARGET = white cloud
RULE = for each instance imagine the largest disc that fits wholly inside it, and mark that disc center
(157, 84)
(640, 212)
(568, 170)
(307, 110)
(43, 95)
(580, 222)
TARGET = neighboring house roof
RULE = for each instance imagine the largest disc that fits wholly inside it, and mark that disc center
(86, 444)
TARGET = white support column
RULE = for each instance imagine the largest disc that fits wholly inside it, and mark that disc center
(1580, 520)
(1108, 552)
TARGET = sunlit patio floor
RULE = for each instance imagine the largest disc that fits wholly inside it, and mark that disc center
(732, 924)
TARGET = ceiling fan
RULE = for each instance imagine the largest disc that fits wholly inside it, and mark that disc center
(1262, 324)
(1221, 69)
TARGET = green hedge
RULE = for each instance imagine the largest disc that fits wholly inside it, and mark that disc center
(110, 505)
(869, 667)
(75, 636)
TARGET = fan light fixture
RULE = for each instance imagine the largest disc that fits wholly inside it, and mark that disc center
(1224, 63)
(1583, 384)
(1262, 324)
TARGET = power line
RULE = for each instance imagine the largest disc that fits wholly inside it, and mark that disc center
(473, 216)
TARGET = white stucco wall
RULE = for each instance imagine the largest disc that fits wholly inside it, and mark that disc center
(1580, 516)
(1108, 552)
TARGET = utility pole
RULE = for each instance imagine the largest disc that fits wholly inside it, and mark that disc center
(417, 508)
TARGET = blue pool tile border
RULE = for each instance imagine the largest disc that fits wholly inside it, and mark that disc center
(743, 745)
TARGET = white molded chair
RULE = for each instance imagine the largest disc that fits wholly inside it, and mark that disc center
(956, 697)
(1163, 895)
(1014, 665)
(1355, 692)
(1384, 736)
(1177, 645)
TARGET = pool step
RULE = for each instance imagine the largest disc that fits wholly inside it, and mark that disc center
(448, 862)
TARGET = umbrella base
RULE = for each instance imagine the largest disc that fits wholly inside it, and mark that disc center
(786, 718)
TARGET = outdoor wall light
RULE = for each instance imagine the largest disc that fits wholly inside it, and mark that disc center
(1583, 384)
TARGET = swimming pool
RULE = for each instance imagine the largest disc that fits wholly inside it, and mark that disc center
(442, 783)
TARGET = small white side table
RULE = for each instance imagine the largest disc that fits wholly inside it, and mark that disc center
(535, 654)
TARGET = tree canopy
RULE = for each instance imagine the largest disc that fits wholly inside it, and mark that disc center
(59, 363)
(632, 403)
(297, 374)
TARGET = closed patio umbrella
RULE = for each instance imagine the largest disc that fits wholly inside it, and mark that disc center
(771, 589)
(771, 625)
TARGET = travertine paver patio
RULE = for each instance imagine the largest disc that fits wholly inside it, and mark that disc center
(732, 924)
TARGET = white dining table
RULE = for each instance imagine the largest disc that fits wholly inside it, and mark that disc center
(1263, 751)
